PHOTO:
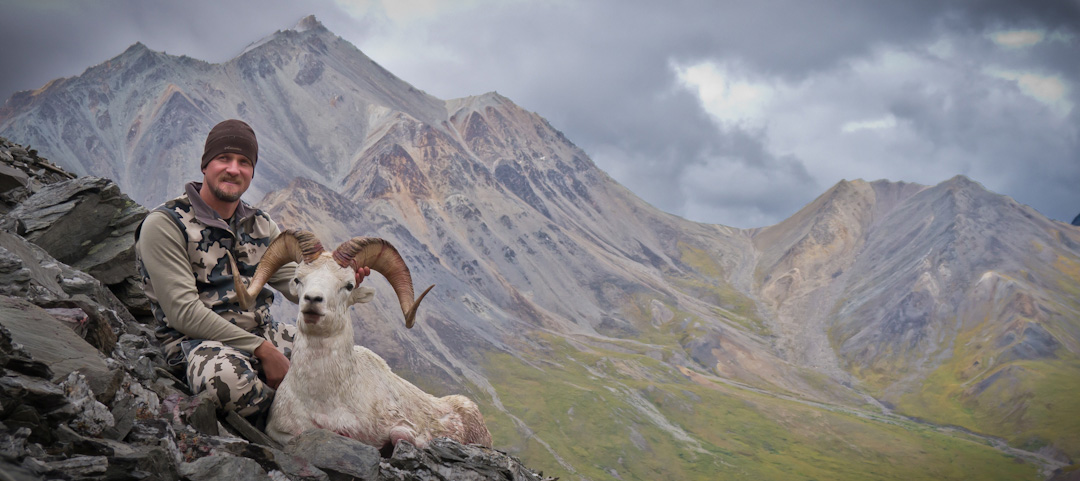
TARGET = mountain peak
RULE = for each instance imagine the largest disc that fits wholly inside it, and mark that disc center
(962, 180)
(478, 102)
(846, 185)
(963, 183)
(135, 48)
(308, 23)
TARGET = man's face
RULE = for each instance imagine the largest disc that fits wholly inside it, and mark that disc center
(228, 176)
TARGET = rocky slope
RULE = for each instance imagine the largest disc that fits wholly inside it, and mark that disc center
(602, 337)
(84, 392)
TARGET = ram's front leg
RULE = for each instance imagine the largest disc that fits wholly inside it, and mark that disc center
(403, 431)
(287, 417)
(278, 434)
(283, 428)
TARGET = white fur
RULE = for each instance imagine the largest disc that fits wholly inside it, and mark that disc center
(335, 385)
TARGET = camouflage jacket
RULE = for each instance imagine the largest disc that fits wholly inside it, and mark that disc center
(198, 246)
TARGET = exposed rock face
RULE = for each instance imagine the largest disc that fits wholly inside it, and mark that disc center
(88, 224)
(85, 393)
(23, 172)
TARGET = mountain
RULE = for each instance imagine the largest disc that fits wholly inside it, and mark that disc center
(137, 117)
(603, 338)
(948, 303)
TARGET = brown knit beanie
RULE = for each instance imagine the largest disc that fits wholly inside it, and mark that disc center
(231, 136)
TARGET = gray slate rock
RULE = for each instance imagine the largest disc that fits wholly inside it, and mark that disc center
(13, 472)
(12, 178)
(80, 222)
(91, 416)
(13, 443)
(88, 319)
(78, 444)
(294, 467)
(27, 270)
(143, 463)
(74, 467)
(22, 173)
(14, 357)
(447, 459)
(223, 467)
(50, 341)
(336, 454)
(86, 223)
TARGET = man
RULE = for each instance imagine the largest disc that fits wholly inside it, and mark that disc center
(182, 250)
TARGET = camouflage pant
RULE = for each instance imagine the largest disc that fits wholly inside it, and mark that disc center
(233, 374)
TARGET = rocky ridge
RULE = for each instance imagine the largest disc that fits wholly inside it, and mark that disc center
(84, 392)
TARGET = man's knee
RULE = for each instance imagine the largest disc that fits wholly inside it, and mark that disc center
(230, 378)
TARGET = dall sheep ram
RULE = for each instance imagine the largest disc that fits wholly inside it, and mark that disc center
(335, 385)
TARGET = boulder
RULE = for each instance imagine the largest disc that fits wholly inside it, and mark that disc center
(15, 358)
(91, 416)
(27, 270)
(23, 172)
(446, 459)
(12, 178)
(50, 341)
(223, 467)
(86, 223)
(335, 454)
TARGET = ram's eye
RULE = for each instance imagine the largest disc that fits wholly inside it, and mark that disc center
(349, 286)
(296, 281)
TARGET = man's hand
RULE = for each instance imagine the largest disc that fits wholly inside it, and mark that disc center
(275, 365)
(361, 273)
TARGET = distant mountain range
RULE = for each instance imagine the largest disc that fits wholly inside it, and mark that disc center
(603, 338)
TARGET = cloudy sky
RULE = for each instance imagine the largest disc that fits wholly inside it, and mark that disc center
(731, 112)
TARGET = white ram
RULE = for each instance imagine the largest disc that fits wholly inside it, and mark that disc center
(336, 385)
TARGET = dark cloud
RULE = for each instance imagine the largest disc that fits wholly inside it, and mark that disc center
(981, 15)
(604, 72)
(989, 129)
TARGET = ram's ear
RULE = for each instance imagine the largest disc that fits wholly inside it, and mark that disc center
(362, 295)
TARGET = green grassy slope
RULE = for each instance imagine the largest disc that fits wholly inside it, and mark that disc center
(1035, 406)
(616, 414)
(1030, 402)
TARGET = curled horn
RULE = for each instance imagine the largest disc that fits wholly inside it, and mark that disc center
(290, 246)
(382, 257)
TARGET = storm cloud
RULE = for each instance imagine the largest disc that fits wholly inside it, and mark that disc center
(736, 113)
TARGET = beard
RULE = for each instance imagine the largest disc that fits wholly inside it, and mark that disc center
(225, 196)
